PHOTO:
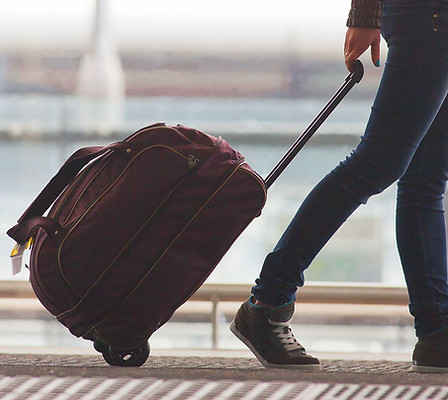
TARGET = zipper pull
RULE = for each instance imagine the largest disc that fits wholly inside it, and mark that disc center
(192, 161)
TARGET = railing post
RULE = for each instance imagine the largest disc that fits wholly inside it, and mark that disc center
(215, 321)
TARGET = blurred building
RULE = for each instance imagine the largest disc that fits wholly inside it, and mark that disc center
(182, 74)
(100, 86)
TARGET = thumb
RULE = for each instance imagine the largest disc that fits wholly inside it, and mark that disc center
(375, 52)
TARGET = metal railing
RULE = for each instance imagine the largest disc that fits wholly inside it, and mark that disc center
(317, 293)
(323, 293)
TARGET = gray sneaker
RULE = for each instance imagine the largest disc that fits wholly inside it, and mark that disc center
(431, 353)
(267, 333)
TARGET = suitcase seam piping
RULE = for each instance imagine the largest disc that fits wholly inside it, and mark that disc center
(261, 182)
(42, 286)
(59, 262)
(217, 145)
(212, 149)
(237, 168)
(77, 200)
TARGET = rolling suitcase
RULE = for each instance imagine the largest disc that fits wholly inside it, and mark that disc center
(135, 227)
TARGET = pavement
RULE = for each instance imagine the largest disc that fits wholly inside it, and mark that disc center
(78, 372)
(198, 375)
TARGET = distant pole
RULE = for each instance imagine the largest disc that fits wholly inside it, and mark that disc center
(101, 80)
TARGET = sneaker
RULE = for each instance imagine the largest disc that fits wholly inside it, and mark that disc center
(431, 353)
(266, 331)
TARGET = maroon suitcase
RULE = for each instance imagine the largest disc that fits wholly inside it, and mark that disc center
(136, 227)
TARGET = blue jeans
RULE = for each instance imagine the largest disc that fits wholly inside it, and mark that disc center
(406, 139)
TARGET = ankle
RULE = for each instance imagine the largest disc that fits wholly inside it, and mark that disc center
(437, 337)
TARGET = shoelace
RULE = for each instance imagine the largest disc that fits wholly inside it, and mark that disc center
(284, 334)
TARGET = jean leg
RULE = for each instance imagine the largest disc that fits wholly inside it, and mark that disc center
(320, 215)
(412, 89)
(420, 225)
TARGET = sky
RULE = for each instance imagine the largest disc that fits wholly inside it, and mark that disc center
(238, 25)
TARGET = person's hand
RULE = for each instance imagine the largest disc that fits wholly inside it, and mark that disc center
(357, 41)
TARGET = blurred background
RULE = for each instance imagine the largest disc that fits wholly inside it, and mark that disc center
(255, 72)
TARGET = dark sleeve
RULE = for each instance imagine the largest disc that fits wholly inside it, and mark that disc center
(365, 14)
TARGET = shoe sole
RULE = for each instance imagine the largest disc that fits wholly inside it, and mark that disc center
(303, 367)
(428, 369)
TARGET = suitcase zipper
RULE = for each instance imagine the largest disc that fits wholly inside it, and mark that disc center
(192, 162)
(55, 213)
(99, 197)
(227, 176)
(70, 213)
(162, 125)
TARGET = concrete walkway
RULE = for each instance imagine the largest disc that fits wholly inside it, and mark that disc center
(59, 376)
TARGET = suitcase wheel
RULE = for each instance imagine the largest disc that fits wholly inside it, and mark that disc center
(99, 346)
(102, 348)
(127, 358)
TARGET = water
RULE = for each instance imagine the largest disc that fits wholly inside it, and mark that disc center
(44, 115)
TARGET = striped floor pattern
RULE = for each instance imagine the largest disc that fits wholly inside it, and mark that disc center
(98, 388)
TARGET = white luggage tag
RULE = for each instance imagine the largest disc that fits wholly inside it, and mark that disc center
(17, 256)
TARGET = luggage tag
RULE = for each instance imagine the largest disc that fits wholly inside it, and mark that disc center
(17, 256)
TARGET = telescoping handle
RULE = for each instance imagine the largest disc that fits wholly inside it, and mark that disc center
(298, 144)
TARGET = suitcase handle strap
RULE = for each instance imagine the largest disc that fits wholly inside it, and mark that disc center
(32, 217)
(24, 231)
